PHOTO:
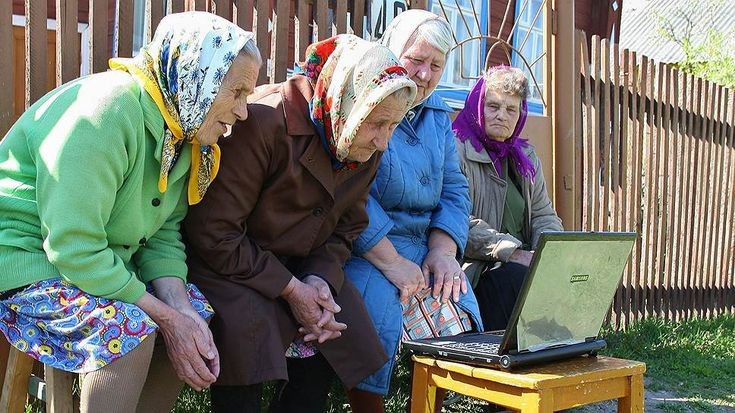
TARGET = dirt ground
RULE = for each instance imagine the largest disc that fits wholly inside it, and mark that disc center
(655, 402)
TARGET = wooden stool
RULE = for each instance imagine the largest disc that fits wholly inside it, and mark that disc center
(544, 388)
(56, 391)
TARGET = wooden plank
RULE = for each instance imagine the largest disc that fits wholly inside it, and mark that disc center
(283, 10)
(36, 48)
(625, 178)
(67, 44)
(720, 185)
(59, 386)
(641, 146)
(223, 8)
(7, 83)
(666, 203)
(694, 98)
(605, 137)
(304, 29)
(707, 197)
(175, 6)
(713, 194)
(595, 137)
(4, 354)
(616, 192)
(419, 4)
(728, 177)
(650, 171)
(655, 211)
(153, 15)
(15, 386)
(245, 13)
(98, 39)
(633, 179)
(322, 14)
(124, 38)
(263, 38)
(699, 133)
(358, 17)
(340, 17)
(676, 199)
(730, 229)
(201, 5)
(587, 174)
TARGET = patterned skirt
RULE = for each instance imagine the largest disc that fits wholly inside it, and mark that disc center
(426, 317)
(63, 327)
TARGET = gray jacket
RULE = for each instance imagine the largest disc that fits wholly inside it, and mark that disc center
(487, 192)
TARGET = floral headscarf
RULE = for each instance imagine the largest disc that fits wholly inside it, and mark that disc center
(470, 124)
(182, 69)
(400, 30)
(350, 76)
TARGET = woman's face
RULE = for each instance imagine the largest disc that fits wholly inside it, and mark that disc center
(375, 132)
(425, 65)
(501, 114)
(231, 101)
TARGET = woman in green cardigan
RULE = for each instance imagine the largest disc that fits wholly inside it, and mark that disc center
(95, 179)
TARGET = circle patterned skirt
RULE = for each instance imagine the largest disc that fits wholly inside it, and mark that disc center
(61, 326)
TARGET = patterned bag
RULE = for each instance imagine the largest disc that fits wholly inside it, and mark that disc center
(427, 317)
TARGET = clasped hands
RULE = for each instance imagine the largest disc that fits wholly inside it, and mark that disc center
(314, 308)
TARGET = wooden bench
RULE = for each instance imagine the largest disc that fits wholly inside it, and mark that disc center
(544, 388)
(17, 383)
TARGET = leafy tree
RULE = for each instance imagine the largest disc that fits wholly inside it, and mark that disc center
(708, 51)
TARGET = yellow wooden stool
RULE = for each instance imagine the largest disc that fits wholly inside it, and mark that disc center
(544, 388)
(18, 383)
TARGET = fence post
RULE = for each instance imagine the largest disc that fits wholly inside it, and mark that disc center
(7, 74)
(565, 105)
(67, 41)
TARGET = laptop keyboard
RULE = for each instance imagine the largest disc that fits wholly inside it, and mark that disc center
(486, 348)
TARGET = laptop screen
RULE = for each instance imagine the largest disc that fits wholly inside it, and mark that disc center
(572, 283)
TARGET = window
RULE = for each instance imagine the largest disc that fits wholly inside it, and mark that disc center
(529, 40)
(465, 62)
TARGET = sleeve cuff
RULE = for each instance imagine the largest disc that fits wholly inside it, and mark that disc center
(504, 248)
(130, 292)
(154, 269)
(363, 244)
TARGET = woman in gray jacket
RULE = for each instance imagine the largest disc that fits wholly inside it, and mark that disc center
(510, 204)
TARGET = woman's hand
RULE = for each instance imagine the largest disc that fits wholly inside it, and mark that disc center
(406, 276)
(313, 307)
(189, 342)
(403, 273)
(449, 279)
(441, 262)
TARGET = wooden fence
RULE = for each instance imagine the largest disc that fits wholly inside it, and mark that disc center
(283, 29)
(657, 157)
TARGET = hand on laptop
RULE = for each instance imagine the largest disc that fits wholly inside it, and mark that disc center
(522, 257)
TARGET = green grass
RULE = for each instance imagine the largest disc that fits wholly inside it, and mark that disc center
(693, 360)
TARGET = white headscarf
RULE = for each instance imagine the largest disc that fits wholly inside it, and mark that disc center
(402, 28)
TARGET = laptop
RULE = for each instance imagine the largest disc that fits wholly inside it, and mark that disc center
(560, 310)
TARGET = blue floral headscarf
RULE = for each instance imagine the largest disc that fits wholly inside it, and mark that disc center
(182, 69)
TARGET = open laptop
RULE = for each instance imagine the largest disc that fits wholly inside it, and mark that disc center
(561, 307)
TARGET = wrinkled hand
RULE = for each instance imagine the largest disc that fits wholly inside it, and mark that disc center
(449, 279)
(330, 328)
(191, 349)
(306, 301)
(406, 276)
(522, 257)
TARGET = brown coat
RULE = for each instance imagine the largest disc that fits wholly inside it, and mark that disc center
(277, 209)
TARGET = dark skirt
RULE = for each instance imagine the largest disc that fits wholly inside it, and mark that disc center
(497, 292)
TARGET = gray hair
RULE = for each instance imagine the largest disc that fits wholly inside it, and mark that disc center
(250, 49)
(402, 94)
(436, 32)
(508, 80)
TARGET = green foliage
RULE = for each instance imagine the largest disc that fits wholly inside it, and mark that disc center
(708, 52)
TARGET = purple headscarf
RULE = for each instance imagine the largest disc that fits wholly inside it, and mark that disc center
(470, 124)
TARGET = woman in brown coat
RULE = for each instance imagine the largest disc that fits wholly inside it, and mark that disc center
(268, 244)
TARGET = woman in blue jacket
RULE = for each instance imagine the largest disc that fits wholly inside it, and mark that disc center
(419, 208)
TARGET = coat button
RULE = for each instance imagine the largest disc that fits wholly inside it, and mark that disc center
(127, 247)
(424, 180)
(412, 141)
(318, 211)
(155, 202)
(142, 241)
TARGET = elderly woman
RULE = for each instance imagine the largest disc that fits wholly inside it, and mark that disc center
(94, 187)
(418, 208)
(269, 242)
(510, 204)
